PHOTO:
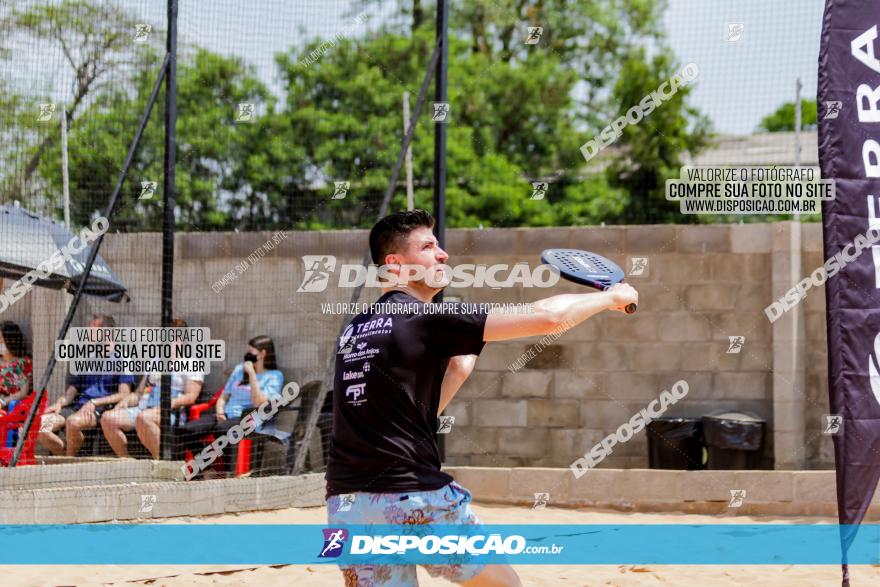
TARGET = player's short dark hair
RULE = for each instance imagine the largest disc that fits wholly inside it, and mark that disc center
(389, 234)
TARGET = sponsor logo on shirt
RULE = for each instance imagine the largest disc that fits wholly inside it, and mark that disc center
(352, 356)
(345, 336)
(334, 541)
(375, 326)
(354, 392)
(349, 375)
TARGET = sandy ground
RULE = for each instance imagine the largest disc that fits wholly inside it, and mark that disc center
(543, 575)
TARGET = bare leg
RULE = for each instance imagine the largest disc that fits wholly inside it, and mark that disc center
(48, 437)
(82, 420)
(148, 430)
(114, 424)
(495, 576)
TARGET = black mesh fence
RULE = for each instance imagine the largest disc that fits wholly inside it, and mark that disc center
(290, 120)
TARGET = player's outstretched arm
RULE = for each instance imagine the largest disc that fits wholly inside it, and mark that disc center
(458, 370)
(557, 313)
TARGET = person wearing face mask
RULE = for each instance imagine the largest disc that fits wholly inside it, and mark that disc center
(252, 383)
(16, 371)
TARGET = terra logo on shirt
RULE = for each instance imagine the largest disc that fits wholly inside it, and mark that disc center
(377, 326)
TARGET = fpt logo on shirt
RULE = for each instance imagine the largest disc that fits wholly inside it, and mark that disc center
(355, 392)
(334, 542)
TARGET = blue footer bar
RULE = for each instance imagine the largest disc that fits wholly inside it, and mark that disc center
(265, 544)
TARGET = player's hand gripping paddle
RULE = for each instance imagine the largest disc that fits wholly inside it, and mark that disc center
(585, 268)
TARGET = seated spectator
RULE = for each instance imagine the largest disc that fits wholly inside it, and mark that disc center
(16, 371)
(250, 385)
(144, 416)
(81, 406)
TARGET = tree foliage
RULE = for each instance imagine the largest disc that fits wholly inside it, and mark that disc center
(783, 118)
(519, 114)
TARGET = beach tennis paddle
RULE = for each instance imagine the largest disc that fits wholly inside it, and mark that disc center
(585, 268)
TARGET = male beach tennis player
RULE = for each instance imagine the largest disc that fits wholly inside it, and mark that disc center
(395, 372)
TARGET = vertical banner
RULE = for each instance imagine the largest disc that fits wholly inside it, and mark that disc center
(848, 101)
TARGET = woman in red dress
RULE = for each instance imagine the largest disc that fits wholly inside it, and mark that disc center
(15, 365)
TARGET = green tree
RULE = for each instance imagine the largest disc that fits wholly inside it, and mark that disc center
(95, 42)
(508, 126)
(214, 149)
(651, 151)
(782, 119)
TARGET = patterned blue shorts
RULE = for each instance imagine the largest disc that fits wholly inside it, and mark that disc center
(448, 505)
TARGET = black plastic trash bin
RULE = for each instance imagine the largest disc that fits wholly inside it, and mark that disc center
(733, 440)
(675, 443)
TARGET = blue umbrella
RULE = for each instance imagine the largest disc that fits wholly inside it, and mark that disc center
(28, 240)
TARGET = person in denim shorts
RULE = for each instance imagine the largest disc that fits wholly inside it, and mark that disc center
(397, 367)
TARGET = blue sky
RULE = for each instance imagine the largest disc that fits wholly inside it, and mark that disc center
(740, 82)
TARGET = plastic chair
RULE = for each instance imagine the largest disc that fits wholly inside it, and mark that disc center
(195, 412)
(243, 460)
(13, 420)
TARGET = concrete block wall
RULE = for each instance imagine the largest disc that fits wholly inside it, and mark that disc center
(767, 493)
(703, 284)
